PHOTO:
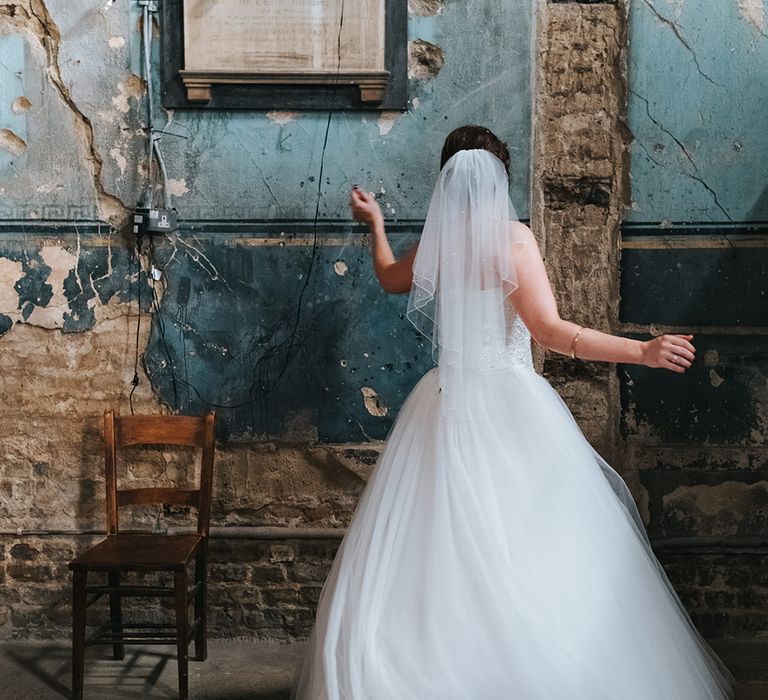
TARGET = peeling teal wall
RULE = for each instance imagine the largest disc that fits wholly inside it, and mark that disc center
(265, 166)
(694, 260)
(261, 311)
(698, 107)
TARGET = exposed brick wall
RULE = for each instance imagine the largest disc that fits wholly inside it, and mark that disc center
(580, 189)
(258, 588)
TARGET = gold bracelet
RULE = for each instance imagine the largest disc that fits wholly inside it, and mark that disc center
(573, 343)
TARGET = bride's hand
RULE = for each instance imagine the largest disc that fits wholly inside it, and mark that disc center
(364, 207)
(673, 352)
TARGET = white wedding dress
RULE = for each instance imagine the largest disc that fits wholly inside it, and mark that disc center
(495, 555)
(494, 559)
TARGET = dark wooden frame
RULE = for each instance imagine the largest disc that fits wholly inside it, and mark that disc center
(343, 95)
(131, 552)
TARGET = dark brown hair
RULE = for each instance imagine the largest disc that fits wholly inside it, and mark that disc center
(466, 138)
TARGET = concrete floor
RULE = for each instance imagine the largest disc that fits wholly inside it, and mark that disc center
(235, 670)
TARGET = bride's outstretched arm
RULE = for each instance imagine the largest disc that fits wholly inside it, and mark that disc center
(395, 276)
(536, 305)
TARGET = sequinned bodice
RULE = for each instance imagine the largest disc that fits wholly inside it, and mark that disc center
(487, 335)
(505, 347)
(504, 342)
(502, 345)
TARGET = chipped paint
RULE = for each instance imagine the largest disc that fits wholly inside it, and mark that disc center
(31, 22)
(20, 105)
(715, 379)
(10, 273)
(177, 187)
(11, 142)
(386, 121)
(425, 8)
(726, 498)
(711, 358)
(282, 117)
(131, 87)
(229, 166)
(61, 263)
(425, 59)
(119, 158)
(374, 404)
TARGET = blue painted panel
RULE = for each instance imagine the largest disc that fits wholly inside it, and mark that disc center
(720, 400)
(724, 286)
(241, 327)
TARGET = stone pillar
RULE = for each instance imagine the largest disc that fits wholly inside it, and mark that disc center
(580, 185)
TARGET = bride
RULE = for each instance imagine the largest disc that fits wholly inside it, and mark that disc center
(494, 554)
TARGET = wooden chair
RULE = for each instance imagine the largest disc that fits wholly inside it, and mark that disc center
(145, 552)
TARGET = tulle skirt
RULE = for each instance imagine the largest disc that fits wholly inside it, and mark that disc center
(500, 557)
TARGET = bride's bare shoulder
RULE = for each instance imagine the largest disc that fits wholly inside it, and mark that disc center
(522, 233)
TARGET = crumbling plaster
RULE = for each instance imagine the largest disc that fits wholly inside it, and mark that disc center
(70, 103)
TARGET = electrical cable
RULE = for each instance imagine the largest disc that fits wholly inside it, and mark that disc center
(161, 326)
(153, 151)
(135, 380)
(272, 353)
(313, 254)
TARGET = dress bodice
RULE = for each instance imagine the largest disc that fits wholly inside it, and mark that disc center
(505, 346)
(504, 341)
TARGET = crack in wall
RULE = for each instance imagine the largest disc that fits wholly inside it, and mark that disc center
(676, 29)
(33, 17)
(695, 175)
(196, 255)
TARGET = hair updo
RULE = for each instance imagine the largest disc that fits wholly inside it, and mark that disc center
(466, 138)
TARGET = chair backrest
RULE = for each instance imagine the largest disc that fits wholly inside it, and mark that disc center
(123, 431)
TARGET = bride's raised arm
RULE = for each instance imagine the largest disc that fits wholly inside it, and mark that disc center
(395, 275)
(536, 305)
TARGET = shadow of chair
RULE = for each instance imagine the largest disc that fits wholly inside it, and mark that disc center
(147, 553)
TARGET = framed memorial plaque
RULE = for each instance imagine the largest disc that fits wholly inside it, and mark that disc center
(284, 54)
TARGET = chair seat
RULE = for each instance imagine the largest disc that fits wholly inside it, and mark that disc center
(139, 552)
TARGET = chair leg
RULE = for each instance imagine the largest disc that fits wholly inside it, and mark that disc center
(201, 604)
(182, 641)
(79, 581)
(116, 615)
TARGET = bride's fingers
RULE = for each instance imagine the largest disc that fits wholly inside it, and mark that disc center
(681, 341)
(682, 351)
(674, 366)
(674, 346)
(677, 362)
